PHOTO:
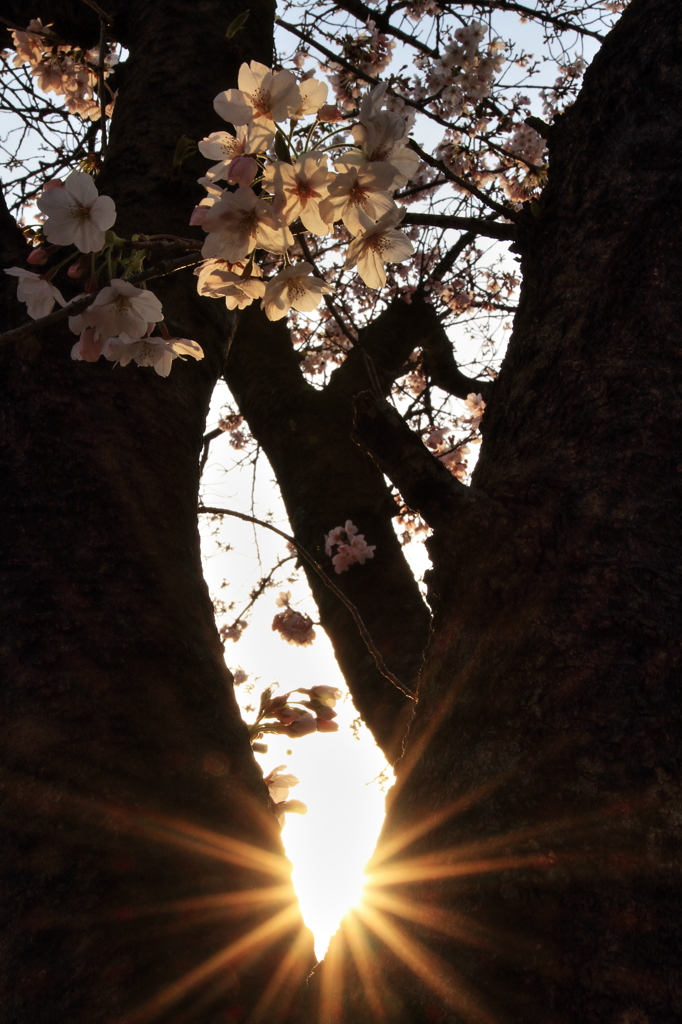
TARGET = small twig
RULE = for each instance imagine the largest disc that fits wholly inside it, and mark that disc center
(98, 10)
(207, 438)
(12, 25)
(82, 302)
(100, 75)
(352, 337)
(371, 647)
(503, 211)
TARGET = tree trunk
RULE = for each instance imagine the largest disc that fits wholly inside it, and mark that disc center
(528, 870)
(142, 871)
(325, 479)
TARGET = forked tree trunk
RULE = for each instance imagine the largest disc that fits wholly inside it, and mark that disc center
(529, 868)
(142, 869)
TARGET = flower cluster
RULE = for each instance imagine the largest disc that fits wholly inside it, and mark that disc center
(278, 787)
(294, 627)
(463, 74)
(63, 69)
(301, 187)
(297, 717)
(118, 324)
(350, 546)
(442, 443)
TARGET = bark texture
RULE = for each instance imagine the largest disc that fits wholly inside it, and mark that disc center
(143, 876)
(528, 871)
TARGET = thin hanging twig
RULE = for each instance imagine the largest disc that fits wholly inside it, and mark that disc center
(371, 646)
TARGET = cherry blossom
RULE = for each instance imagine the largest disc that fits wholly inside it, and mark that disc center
(476, 407)
(36, 291)
(294, 627)
(279, 784)
(329, 113)
(351, 547)
(238, 222)
(29, 44)
(278, 787)
(303, 725)
(356, 192)
(313, 96)
(324, 725)
(250, 141)
(378, 244)
(156, 352)
(323, 693)
(377, 138)
(221, 280)
(120, 308)
(294, 287)
(527, 143)
(261, 96)
(299, 189)
(76, 213)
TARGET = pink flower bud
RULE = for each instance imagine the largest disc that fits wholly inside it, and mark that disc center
(324, 712)
(329, 113)
(55, 183)
(89, 349)
(285, 715)
(76, 269)
(303, 725)
(276, 704)
(325, 694)
(37, 256)
(242, 170)
(327, 725)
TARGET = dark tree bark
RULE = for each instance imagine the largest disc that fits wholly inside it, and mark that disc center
(528, 870)
(143, 876)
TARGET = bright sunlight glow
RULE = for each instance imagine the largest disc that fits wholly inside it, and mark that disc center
(343, 775)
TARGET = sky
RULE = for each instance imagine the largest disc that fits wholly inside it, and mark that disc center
(343, 776)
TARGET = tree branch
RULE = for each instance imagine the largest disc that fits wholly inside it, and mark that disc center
(503, 232)
(423, 481)
(364, 13)
(371, 646)
(503, 211)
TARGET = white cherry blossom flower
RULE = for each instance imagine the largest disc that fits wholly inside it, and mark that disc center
(378, 244)
(295, 287)
(249, 141)
(356, 192)
(261, 95)
(218, 280)
(238, 222)
(313, 96)
(279, 784)
(37, 292)
(378, 140)
(77, 213)
(156, 352)
(476, 407)
(299, 189)
(120, 308)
